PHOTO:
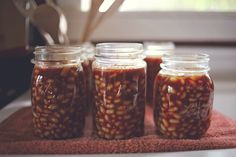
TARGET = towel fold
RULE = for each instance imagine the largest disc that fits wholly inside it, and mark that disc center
(16, 137)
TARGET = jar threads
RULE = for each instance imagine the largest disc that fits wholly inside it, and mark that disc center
(119, 78)
(183, 96)
(57, 92)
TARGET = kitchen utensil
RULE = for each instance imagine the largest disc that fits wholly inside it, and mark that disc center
(51, 19)
(91, 16)
(95, 18)
(110, 11)
(26, 8)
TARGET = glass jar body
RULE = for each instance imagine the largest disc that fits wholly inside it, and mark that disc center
(119, 75)
(183, 104)
(57, 98)
(87, 67)
(119, 101)
(153, 53)
(153, 67)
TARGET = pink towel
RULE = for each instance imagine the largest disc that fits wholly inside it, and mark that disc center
(16, 137)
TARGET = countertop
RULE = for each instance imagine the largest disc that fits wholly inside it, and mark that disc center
(224, 101)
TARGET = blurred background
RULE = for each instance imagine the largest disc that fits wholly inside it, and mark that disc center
(203, 26)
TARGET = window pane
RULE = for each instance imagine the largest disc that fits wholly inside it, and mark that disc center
(174, 5)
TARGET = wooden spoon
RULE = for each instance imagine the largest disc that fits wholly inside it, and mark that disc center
(91, 16)
(102, 16)
(95, 18)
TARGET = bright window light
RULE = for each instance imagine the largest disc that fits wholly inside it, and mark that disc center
(85, 5)
(168, 5)
(105, 5)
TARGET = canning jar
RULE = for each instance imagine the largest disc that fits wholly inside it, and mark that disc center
(87, 60)
(119, 78)
(153, 53)
(183, 96)
(57, 92)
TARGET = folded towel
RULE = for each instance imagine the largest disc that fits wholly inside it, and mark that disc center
(16, 137)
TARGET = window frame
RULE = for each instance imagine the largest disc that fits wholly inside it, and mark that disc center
(178, 26)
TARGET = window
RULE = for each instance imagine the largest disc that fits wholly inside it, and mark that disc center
(169, 5)
(165, 20)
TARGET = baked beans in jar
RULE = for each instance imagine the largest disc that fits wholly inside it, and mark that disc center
(57, 94)
(119, 84)
(87, 60)
(153, 53)
(183, 96)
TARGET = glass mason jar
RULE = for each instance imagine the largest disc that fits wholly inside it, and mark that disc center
(57, 92)
(183, 96)
(88, 57)
(153, 53)
(119, 80)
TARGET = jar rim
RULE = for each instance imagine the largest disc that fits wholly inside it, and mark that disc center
(60, 49)
(186, 62)
(57, 53)
(186, 57)
(88, 48)
(119, 50)
(158, 46)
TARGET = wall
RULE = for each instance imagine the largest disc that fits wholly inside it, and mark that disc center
(12, 26)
